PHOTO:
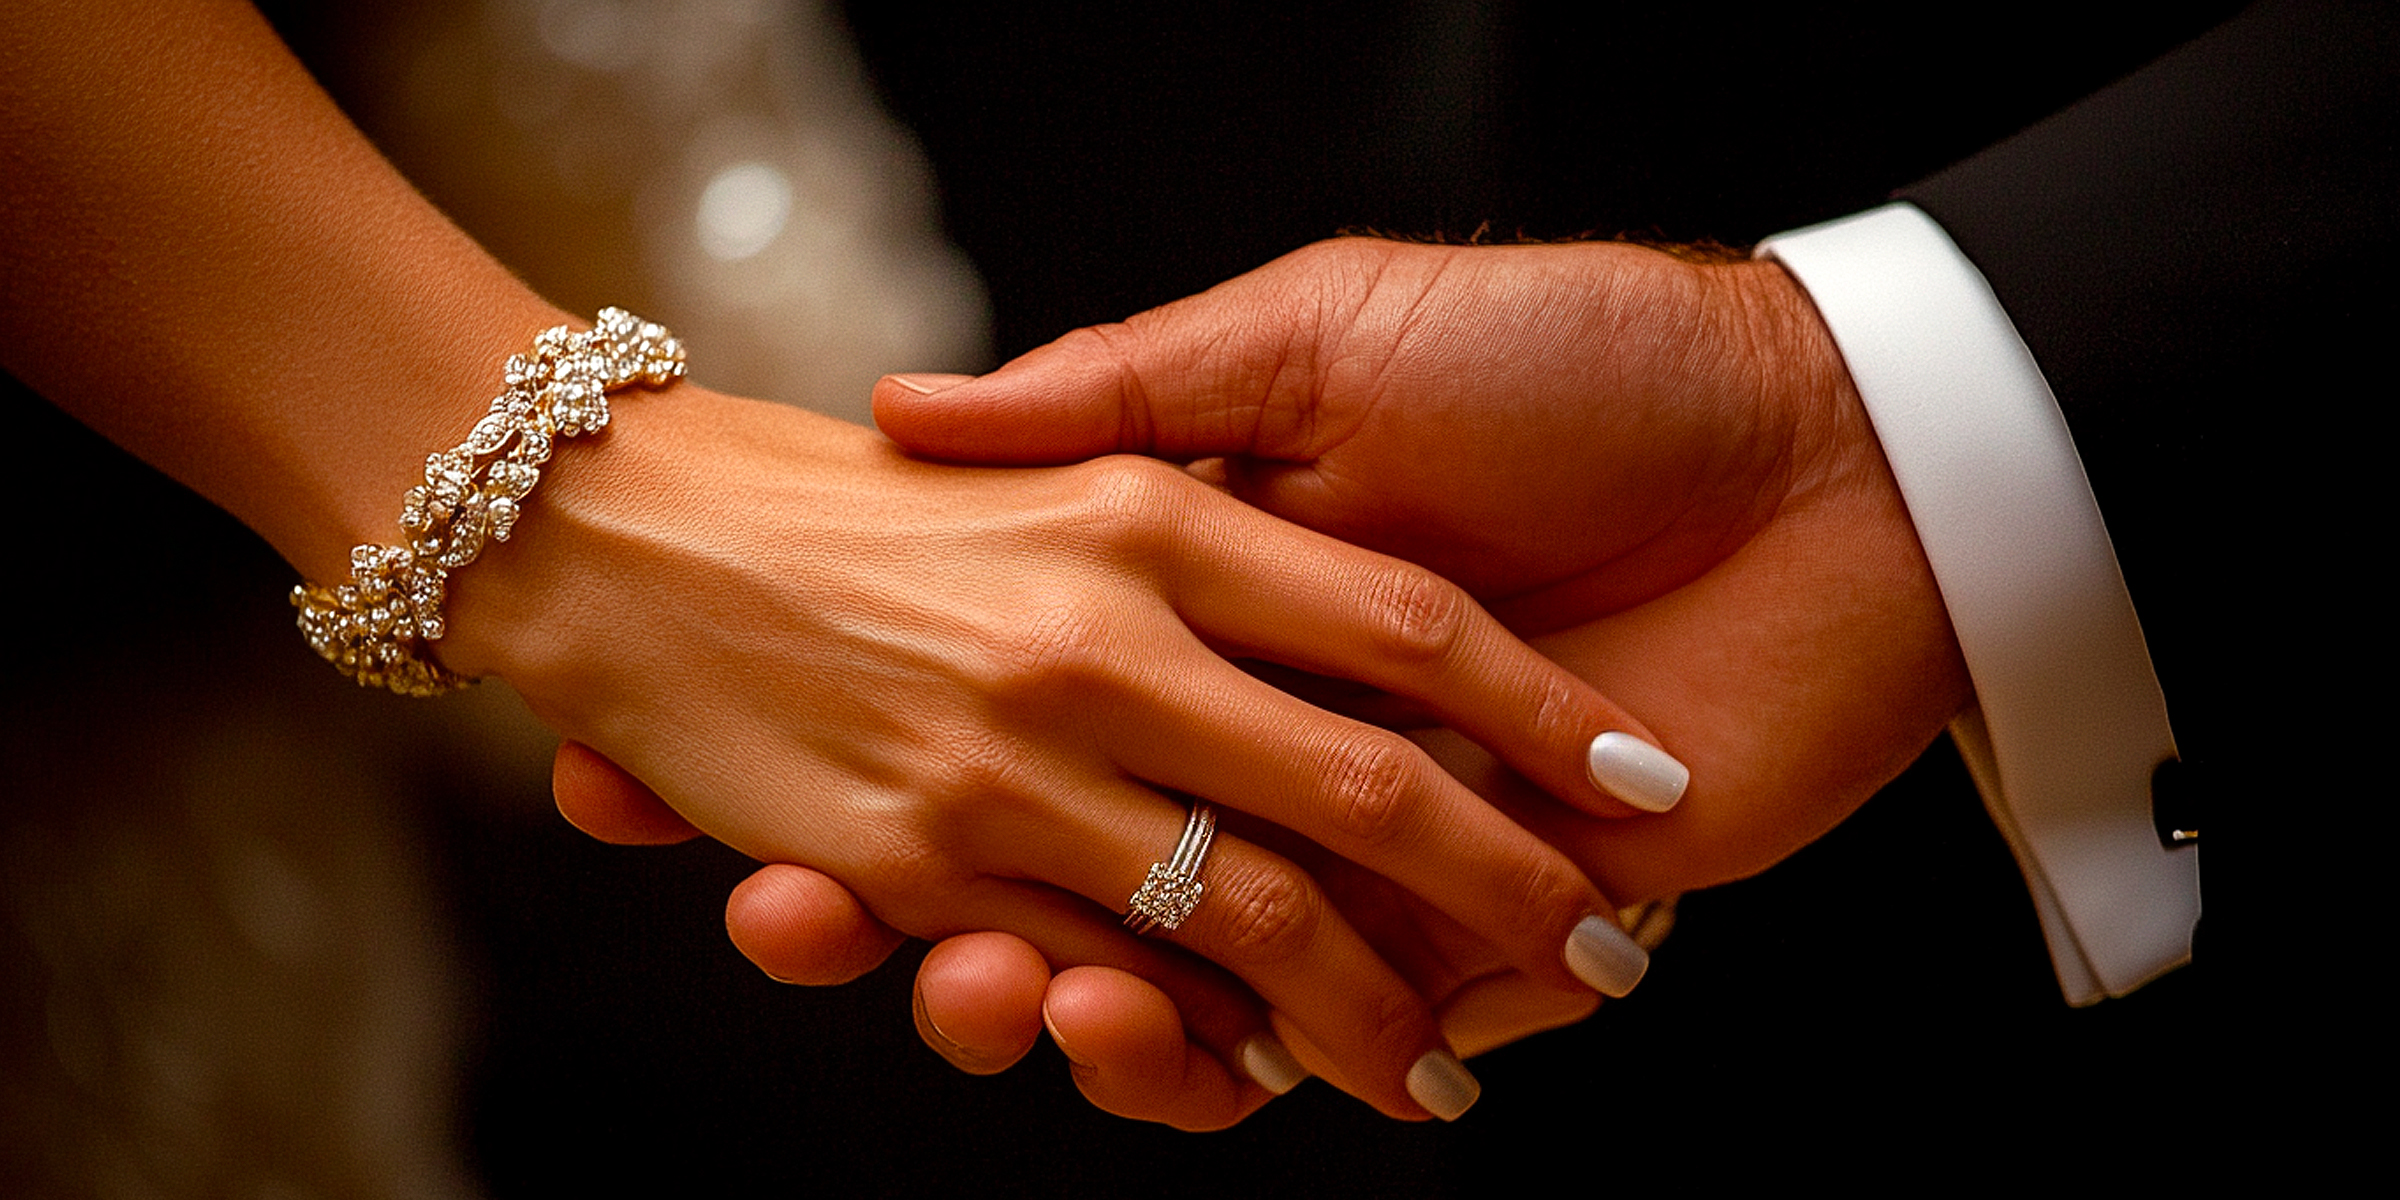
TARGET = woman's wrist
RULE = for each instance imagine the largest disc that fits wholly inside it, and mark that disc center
(424, 367)
(380, 622)
(654, 497)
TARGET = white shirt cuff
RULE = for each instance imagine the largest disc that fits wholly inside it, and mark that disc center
(2069, 721)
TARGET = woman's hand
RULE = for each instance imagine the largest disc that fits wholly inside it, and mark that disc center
(982, 999)
(955, 691)
(1665, 453)
(962, 693)
(952, 690)
(1660, 460)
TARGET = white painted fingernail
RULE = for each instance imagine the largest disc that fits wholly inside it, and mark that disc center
(1636, 772)
(1443, 1085)
(1603, 957)
(1268, 1064)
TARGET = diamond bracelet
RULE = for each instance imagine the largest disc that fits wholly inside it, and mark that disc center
(378, 627)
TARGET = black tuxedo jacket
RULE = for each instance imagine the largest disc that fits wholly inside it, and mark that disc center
(2193, 255)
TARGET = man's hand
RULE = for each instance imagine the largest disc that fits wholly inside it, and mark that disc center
(1660, 464)
(1567, 430)
(1662, 461)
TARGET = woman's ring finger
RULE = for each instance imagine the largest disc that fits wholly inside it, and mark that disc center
(1173, 888)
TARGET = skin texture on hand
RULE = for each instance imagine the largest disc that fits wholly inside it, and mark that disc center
(1662, 461)
(1565, 431)
(960, 693)
(981, 998)
(1660, 464)
(964, 693)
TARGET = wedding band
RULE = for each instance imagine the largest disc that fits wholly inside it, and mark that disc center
(1173, 888)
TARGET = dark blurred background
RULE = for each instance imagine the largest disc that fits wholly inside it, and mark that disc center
(1885, 987)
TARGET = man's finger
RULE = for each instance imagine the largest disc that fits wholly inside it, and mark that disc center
(979, 1000)
(1492, 1012)
(800, 926)
(598, 797)
(1130, 1055)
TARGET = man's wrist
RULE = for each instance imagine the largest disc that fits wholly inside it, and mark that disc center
(2070, 721)
(1799, 371)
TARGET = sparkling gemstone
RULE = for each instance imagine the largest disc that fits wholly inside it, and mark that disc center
(490, 434)
(509, 480)
(503, 518)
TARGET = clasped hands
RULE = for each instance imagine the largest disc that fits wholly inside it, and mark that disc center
(1654, 470)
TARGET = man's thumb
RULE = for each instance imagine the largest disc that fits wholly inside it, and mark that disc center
(1136, 388)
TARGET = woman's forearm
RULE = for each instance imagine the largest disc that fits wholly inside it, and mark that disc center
(207, 262)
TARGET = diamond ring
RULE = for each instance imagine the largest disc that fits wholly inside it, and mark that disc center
(1173, 888)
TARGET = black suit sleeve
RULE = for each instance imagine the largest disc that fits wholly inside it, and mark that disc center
(2196, 256)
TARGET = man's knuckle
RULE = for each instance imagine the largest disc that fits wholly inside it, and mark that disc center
(1335, 256)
